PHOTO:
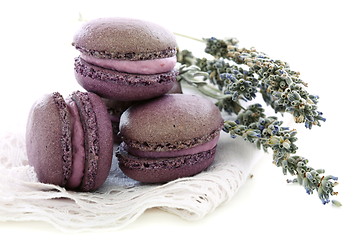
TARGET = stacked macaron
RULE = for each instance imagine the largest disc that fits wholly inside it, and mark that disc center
(125, 59)
(127, 68)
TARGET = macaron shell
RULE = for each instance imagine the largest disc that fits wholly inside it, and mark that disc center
(48, 139)
(122, 86)
(98, 139)
(170, 122)
(105, 139)
(148, 170)
(115, 108)
(124, 38)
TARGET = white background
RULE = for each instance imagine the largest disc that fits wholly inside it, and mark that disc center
(318, 38)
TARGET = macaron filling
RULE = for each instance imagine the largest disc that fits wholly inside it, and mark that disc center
(77, 143)
(175, 153)
(153, 66)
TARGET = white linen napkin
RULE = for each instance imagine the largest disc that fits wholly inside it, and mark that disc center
(120, 200)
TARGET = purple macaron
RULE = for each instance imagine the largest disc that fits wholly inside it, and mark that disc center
(69, 141)
(125, 59)
(116, 108)
(168, 137)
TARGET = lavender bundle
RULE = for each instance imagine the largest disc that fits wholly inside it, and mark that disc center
(234, 75)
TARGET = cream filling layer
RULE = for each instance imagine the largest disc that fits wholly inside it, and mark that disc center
(153, 66)
(78, 151)
(176, 153)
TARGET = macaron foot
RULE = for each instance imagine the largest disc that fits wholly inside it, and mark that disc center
(161, 170)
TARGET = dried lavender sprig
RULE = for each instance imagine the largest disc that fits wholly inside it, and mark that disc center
(197, 78)
(250, 125)
(243, 84)
(281, 87)
(267, 132)
(232, 79)
(232, 82)
(185, 57)
(214, 68)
